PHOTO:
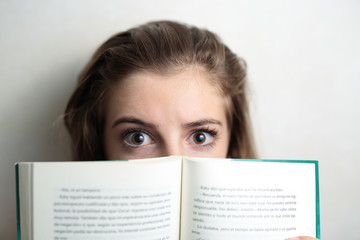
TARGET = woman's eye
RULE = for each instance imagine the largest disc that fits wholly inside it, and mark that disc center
(137, 139)
(201, 138)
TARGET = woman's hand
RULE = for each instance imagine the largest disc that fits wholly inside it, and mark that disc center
(302, 238)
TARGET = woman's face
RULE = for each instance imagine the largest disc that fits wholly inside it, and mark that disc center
(151, 115)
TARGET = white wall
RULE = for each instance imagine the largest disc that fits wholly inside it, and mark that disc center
(304, 67)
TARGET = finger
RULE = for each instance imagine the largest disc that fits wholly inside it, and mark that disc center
(302, 238)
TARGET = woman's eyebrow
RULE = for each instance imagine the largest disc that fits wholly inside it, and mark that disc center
(133, 121)
(202, 122)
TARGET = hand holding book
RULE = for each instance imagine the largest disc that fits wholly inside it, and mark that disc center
(302, 238)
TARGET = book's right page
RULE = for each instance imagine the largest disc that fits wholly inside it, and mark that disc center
(249, 199)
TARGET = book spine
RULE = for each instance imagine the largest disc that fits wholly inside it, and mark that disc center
(318, 235)
(24, 201)
(18, 225)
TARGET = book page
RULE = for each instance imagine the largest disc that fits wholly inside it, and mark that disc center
(107, 200)
(248, 200)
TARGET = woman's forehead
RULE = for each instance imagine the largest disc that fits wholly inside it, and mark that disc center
(182, 95)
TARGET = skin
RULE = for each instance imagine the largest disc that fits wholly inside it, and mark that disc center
(153, 115)
(302, 238)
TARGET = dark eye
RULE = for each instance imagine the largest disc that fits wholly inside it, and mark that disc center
(137, 139)
(201, 138)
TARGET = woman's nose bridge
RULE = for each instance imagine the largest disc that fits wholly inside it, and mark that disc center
(173, 148)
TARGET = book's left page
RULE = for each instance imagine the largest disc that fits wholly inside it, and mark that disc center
(137, 199)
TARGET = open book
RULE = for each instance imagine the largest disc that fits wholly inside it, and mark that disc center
(168, 198)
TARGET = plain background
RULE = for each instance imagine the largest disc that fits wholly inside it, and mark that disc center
(304, 73)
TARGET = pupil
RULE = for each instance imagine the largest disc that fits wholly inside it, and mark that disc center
(199, 138)
(138, 138)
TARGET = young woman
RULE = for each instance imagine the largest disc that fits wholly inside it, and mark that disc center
(161, 89)
(149, 83)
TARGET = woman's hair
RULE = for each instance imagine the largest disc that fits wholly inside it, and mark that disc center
(160, 47)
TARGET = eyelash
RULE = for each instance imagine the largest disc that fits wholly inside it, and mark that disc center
(135, 130)
(213, 132)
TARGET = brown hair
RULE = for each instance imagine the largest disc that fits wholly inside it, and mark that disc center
(162, 46)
